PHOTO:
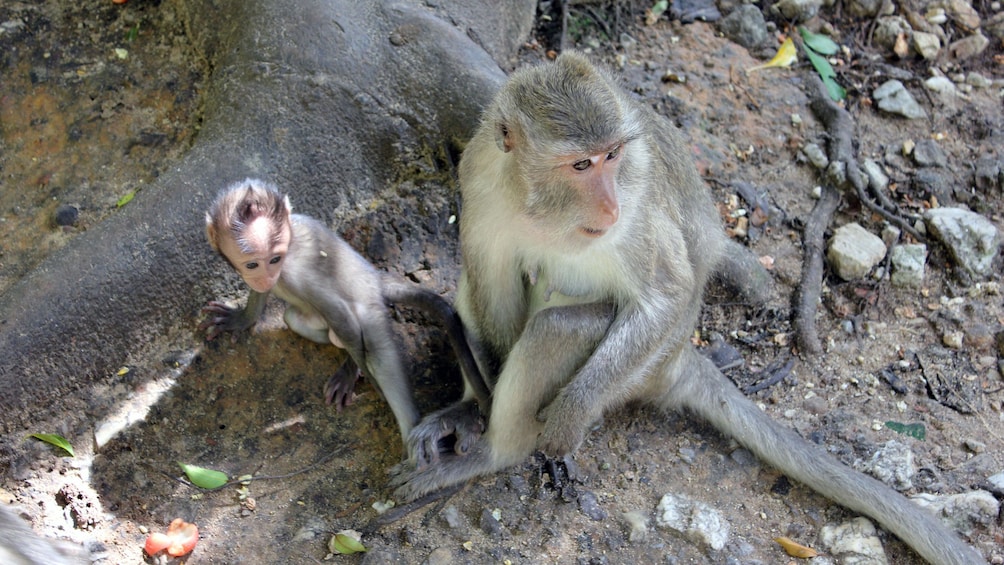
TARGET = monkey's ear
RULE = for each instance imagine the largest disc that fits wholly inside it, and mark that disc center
(287, 205)
(211, 233)
(503, 137)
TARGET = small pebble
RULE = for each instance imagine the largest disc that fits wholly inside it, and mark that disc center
(952, 339)
(975, 446)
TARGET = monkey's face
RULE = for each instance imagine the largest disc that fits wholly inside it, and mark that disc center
(578, 201)
(259, 255)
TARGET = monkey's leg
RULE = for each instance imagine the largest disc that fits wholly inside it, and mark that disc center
(384, 367)
(533, 373)
(702, 388)
(740, 270)
(309, 325)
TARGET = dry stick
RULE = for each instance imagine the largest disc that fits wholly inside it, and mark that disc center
(563, 42)
(398, 512)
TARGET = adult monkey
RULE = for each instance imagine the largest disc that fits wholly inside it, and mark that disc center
(587, 239)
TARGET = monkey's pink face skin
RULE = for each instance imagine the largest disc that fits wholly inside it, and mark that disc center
(261, 265)
(595, 178)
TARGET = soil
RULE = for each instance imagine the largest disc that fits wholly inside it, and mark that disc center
(84, 125)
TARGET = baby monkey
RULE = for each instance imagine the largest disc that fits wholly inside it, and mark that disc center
(332, 294)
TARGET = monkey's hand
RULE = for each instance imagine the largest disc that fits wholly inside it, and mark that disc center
(563, 430)
(455, 428)
(223, 318)
(339, 388)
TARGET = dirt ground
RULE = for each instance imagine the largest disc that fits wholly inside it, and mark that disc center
(97, 98)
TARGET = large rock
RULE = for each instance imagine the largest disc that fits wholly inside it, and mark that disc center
(333, 100)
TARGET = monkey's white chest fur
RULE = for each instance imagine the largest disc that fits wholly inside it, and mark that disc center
(572, 278)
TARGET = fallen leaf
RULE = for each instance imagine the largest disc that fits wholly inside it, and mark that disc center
(56, 440)
(204, 478)
(126, 198)
(785, 56)
(916, 431)
(818, 42)
(796, 549)
(346, 542)
(653, 14)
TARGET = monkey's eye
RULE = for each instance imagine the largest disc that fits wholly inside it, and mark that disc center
(275, 260)
(614, 153)
(251, 265)
(582, 165)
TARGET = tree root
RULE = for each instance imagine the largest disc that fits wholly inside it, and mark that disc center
(840, 129)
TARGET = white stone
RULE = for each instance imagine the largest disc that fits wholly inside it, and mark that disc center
(853, 251)
(694, 519)
(963, 511)
(854, 542)
(927, 45)
(908, 265)
(972, 240)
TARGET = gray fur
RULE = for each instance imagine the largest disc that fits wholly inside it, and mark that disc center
(577, 330)
(333, 295)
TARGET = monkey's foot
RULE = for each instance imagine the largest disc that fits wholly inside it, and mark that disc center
(339, 388)
(564, 430)
(453, 429)
(564, 473)
(411, 483)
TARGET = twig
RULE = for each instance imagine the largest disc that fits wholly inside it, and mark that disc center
(563, 42)
(249, 479)
(840, 128)
(399, 512)
(775, 375)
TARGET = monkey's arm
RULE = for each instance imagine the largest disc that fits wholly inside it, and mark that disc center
(614, 371)
(535, 369)
(225, 318)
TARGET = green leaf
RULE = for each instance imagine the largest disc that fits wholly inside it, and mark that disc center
(659, 7)
(833, 88)
(56, 440)
(821, 44)
(126, 198)
(821, 65)
(828, 75)
(346, 542)
(204, 478)
(916, 431)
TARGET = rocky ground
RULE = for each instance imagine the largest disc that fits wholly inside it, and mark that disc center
(96, 99)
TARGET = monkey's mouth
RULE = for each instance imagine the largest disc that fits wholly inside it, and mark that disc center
(591, 232)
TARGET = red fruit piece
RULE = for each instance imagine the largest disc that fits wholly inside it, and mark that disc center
(180, 539)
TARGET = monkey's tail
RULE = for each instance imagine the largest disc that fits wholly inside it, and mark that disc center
(408, 294)
(716, 399)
